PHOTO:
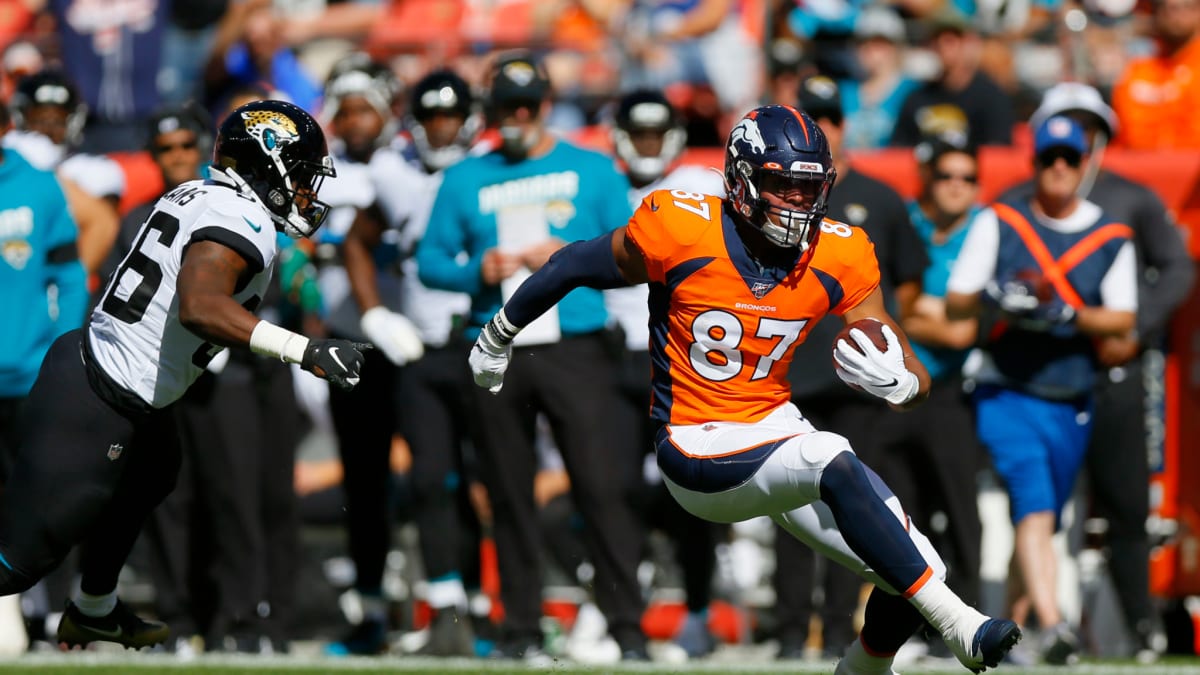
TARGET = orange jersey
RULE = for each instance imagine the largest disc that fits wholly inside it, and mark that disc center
(1156, 100)
(722, 332)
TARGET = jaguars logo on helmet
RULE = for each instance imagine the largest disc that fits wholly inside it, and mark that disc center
(277, 151)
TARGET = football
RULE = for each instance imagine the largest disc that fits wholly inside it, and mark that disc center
(872, 327)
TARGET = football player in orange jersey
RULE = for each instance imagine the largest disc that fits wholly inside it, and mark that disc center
(734, 284)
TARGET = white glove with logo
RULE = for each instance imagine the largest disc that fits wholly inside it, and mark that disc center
(881, 373)
(492, 351)
(393, 334)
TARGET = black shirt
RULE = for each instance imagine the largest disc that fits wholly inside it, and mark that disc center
(861, 201)
(985, 108)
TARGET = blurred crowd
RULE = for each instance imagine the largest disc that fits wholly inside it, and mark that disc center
(459, 544)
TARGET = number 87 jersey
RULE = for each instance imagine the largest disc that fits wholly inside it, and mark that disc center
(723, 330)
(135, 335)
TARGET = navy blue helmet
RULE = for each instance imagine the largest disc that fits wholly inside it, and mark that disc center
(780, 150)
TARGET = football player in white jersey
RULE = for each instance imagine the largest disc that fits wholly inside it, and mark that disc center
(649, 138)
(100, 449)
(443, 122)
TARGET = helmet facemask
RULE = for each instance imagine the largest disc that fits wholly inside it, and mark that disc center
(293, 204)
(802, 200)
(646, 169)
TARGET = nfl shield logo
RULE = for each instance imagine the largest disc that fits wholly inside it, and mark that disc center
(114, 451)
(759, 289)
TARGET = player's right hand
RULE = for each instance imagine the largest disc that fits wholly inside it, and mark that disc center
(339, 361)
(393, 333)
(491, 353)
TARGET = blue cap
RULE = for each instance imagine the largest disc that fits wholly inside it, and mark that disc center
(1060, 132)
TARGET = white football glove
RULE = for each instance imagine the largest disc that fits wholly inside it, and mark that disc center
(393, 334)
(879, 373)
(492, 351)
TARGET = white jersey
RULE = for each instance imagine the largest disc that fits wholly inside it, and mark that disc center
(405, 194)
(347, 192)
(97, 175)
(135, 333)
(628, 305)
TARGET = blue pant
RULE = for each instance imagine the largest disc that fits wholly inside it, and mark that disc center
(1036, 445)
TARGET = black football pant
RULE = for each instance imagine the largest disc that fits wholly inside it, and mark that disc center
(435, 425)
(223, 545)
(695, 539)
(1118, 477)
(364, 419)
(573, 383)
(86, 473)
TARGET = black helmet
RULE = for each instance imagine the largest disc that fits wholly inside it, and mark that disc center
(50, 88)
(278, 151)
(442, 91)
(641, 111)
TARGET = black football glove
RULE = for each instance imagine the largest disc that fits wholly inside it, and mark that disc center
(339, 361)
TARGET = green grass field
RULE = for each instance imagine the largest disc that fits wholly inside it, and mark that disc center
(117, 663)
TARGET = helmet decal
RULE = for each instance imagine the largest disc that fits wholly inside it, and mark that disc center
(747, 131)
(272, 129)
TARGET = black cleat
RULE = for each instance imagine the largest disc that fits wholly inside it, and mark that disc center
(121, 626)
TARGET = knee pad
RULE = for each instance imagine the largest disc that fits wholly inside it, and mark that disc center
(820, 447)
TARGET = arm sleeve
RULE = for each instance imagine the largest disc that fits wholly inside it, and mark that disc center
(583, 263)
(1118, 288)
(444, 259)
(1163, 249)
(63, 267)
(976, 262)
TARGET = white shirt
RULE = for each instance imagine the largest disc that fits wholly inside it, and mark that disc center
(135, 333)
(628, 306)
(97, 175)
(405, 194)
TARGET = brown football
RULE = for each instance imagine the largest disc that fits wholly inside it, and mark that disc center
(872, 327)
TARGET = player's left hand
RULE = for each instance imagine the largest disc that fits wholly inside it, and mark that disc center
(339, 361)
(881, 373)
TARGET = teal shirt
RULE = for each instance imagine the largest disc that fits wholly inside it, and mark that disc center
(37, 251)
(939, 361)
(580, 194)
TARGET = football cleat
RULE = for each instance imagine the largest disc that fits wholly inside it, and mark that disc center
(992, 640)
(121, 626)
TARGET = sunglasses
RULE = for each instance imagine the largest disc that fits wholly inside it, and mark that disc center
(971, 178)
(163, 149)
(1073, 158)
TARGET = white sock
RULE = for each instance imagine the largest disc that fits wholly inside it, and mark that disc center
(95, 605)
(942, 608)
(446, 592)
(859, 662)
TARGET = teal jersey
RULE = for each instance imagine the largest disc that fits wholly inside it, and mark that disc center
(571, 193)
(45, 287)
(940, 362)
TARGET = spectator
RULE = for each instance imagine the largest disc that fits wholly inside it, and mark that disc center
(866, 203)
(1156, 96)
(100, 501)
(358, 108)
(49, 117)
(1117, 459)
(962, 100)
(249, 47)
(872, 101)
(444, 120)
(495, 218)
(1062, 273)
(731, 445)
(649, 138)
(113, 52)
(46, 287)
(932, 457)
(190, 30)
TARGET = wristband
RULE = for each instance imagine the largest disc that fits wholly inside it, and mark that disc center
(502, 328)
(281, 343)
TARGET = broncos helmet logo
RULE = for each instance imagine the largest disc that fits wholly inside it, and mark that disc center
(747, 131)
(272, 130)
